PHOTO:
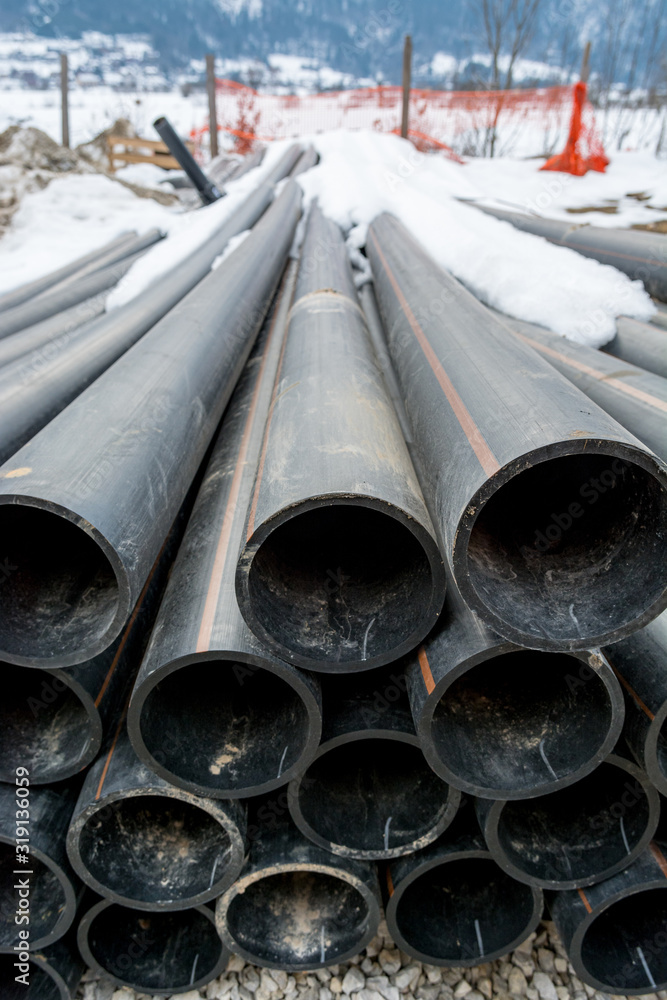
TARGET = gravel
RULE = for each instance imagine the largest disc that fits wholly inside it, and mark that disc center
(537, 970)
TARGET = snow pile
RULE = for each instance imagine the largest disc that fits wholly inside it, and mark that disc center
(70, 217)
(187, 231)
(361, 175)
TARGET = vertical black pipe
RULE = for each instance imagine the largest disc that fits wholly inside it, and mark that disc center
(207, 190)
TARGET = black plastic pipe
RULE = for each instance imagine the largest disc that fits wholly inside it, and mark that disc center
(52, 333)
(116, 249)
(553, 516)
(640, 663)
(82, 519)
(615, 932)
(660, 317)
(47, 887)
(642, 344)
(296, 906)
(634, 397)
(206, 189)
(141, 842)
(212, 710)
(73, 291)
(340, 569)
(639, 254)
(370, 793)
(40, 389)
(308, 159)
(156, 953)
(503, 722)
(451, 905)
(54, 721)
(580, 835)
(53, 973)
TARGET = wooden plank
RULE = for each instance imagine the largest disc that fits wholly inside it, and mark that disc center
(135, 142)
(160, 160)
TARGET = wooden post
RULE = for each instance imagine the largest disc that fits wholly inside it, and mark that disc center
(585, 63)
(212, 113)
(407, 69)
(64, 91)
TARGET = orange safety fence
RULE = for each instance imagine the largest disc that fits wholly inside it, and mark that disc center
(456, 123)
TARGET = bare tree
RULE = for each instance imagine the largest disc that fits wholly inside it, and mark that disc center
(508, 27)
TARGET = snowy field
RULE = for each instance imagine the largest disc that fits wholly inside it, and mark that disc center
(360, 175)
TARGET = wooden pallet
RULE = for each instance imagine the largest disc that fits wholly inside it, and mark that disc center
(158, 153)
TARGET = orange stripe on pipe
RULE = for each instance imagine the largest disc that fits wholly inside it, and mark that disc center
(631, 691)
(390, 884)
(584, 900)
(659, 857)
(222, 550)
(631, 390)
(111, 751)
(485, 456)
(426, 669)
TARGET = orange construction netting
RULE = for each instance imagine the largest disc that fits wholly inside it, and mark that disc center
(457, 123)
(583, 149)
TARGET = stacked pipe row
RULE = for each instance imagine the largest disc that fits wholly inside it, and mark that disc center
(303, 706)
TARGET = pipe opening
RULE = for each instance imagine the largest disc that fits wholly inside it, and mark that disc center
(43, 725)
(340, 583)
(298, 918)
(59, 591)
(569, 549)
(47, 898)
(522, 721)
(661, 749)
(464, 911)
(374, 795)
(154, 951)
(224, 725)
(625, 947)
(154, 849)
(578, 832)
(42, 986)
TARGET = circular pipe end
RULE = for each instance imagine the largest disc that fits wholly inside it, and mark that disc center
(372, 796)
(298, 917)
(48, 723)
(463, 911)
(579, 835)
(655, 751)
(339, 584)
(523, 723)
(155, 953)
(261, 729)
(156, 850)
(567, 553)
(64, 588)
(44, 982)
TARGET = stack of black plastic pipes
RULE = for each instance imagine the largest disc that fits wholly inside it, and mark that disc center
(404, 609)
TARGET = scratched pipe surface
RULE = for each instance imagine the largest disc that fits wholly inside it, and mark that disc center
(451, 905)
(83, 516)
(296, 906)
(634, 397)
(54, 973)
(615, 932)
(51, 333)
(642, 344)
(340, 569)
(370, 792)
(502, 722)
(155, 953)
(553, 517)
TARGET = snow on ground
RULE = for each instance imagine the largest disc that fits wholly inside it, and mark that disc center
(363, 174)
(519, 185)
(73, 215)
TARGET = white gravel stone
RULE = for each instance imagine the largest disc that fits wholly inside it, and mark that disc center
(407, 978)
(544, 986)
(485, 987)
(516, 983)
(353, 980)
(336, 985)
(123, 994)
(390, 961)
(462, 989)
(190, 995)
